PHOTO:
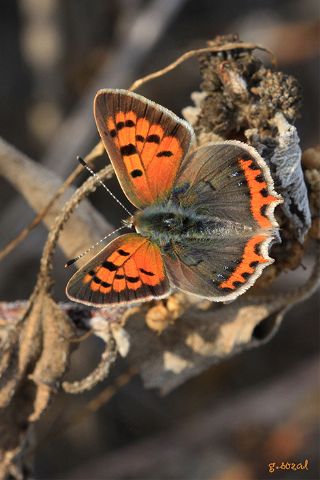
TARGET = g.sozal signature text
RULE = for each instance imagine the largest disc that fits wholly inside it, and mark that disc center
(288, 466)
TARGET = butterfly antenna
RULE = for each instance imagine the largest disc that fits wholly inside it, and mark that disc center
(85, 165)
(73, 260)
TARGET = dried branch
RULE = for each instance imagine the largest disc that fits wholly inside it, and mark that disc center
(195, 53)
(8, 152)
(46, 194)
(101, 372)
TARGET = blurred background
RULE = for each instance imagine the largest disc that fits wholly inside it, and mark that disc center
(254, 409)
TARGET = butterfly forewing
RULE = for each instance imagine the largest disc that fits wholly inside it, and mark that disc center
(229, 180)
(129, 269)
(146, 143)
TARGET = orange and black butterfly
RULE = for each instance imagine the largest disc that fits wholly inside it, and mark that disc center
(204, 219)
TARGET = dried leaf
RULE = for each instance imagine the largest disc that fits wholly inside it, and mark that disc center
(284, 159)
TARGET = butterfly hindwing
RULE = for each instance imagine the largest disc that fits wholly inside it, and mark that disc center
(218, 270)
(231, 185)
(129, 269)
(146, 143)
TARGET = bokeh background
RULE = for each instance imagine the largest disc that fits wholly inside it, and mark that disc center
(254, 409)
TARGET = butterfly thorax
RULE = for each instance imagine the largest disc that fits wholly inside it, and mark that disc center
(163, 223)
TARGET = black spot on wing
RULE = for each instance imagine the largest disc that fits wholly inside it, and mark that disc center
(164, 153)
(146, 272)
(118, 276)
(123, 253)
(254, 166)
(136, 173)
(153, 139)
(140, 138)
(109, 266)
(259, 178)
(257, 248)
(113, 133)
(127, 150)
(120, 125)
(132, 279)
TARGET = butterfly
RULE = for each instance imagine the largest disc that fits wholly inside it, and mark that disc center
(205, 216)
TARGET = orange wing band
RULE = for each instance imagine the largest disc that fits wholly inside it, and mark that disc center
(258, 192)
(250, 259)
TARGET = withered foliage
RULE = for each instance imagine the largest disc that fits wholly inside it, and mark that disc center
(239, 98)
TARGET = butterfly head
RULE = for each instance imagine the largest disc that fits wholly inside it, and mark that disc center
(128, 222)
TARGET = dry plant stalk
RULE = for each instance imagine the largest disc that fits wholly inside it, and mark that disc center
(37, 337)
(96, 152)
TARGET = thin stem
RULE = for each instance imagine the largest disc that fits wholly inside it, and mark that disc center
(12, 244)
(193, 53)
